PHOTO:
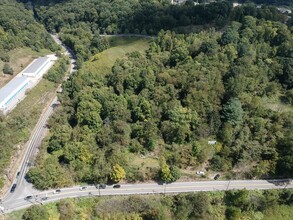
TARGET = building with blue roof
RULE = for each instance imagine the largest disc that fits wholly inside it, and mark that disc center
(12, 93)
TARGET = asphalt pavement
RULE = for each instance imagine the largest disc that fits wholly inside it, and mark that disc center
(43, 197)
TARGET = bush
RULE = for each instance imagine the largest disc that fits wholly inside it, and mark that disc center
(7, 69)
(4, 57)
(233, 213)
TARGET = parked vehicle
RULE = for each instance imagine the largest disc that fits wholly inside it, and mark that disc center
(83, 188)
(200, 172)
(28, 198)
(44, 198)
(116, 186)
(57, 191)
(13, 188)
(18, 174)
(217, 177)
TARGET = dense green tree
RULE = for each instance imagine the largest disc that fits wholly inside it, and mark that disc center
(66, 209)
(233, 213)
(118, 173)
(36, 212)
(51, 175)
(233, 112)
(165, 173)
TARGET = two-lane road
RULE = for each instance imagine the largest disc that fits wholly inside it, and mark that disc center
(151, 188)
(24, 188)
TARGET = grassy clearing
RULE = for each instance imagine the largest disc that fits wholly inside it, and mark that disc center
(35, 100)
(143, 163)
(275, 104)
(102, 62)
(19, 59)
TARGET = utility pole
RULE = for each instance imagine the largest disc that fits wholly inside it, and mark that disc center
(228, 184)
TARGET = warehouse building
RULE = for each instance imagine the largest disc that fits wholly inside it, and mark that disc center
(12, 93)
(37, 68)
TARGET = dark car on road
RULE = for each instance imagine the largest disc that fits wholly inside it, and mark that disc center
(57, 191)
(28, 197)
(13, 188)
(44, 198)
(217, 177)
(101, 186)
(17, 175)
(116, 186)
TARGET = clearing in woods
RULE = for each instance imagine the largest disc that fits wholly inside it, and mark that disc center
(102, 63)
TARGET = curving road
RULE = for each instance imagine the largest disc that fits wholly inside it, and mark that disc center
(152, 188)
(16, 200)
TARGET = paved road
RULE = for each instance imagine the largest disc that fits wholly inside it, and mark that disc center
(23, 187)
(152, 188)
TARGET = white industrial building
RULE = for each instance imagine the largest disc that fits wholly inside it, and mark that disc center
(12, 93)
(37, 68)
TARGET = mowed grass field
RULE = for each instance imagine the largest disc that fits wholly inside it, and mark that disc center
(19, 59)
(102, 63)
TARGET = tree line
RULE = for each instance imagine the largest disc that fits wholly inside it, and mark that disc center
(229, 205)
(80, 23)
(18, 28)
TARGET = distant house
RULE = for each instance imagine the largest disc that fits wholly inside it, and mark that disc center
(284, 10)
(212, 142)
(177, 2)
(236, 5)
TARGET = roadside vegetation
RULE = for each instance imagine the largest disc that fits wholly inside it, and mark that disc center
(16, 128)
(231, 205)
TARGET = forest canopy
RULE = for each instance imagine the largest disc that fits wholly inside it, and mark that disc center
(184, 89)
(18, 28)
(80, 23)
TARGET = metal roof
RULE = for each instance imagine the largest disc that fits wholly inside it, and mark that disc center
(12, 86)
(35, 66)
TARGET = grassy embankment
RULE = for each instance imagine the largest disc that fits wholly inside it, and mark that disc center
(102, 62)
(19, 59)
